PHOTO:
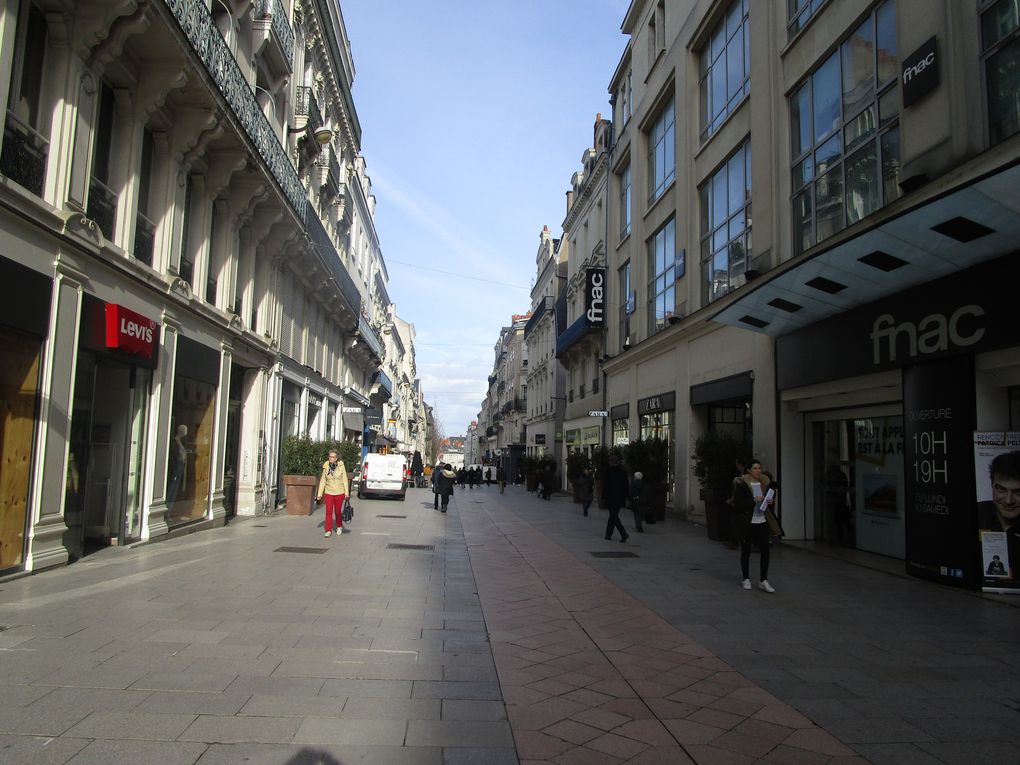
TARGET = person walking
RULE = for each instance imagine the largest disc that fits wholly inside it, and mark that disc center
(436, 471)
(639, 500)
(447, 477)
(471, 478)
(750, 504)
(587, 490)
(488, 476)
(501, 478)
(333, 487)
(615, 492)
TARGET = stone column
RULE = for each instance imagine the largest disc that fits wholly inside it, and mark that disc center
(160, 413)
(46, 538)
(220, 435)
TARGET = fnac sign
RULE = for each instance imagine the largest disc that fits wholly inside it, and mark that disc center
(130, 332)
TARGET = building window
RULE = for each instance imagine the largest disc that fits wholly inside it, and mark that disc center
(725, 67)
(626, 297)
(624, 101)
(662, 267)
(625, 201)
(800, 11)
(145, 229)
(102, 206)
(23, 157)
(621, 432)
(845, 130)
(1000, 45)
(661, 152)
(726, 226)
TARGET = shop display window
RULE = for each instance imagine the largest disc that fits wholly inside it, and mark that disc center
(191, 428)
(19, 397)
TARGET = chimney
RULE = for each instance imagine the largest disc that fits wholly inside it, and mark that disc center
(570, 199)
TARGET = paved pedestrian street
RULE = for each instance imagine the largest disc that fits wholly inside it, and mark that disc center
(515, 635)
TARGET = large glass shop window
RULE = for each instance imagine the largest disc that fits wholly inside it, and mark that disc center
(191, 428)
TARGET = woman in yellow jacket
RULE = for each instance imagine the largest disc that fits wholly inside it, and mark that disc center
(333, 486)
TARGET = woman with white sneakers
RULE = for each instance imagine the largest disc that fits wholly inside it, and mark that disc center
(750, 501)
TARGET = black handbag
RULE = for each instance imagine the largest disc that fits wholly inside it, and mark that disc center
(347, 515)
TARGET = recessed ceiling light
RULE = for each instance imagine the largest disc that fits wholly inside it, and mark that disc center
(962, 229)
(883, 261)
(826, 285)
(785, 305)
(754, 322)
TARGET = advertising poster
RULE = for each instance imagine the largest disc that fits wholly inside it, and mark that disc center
(997, 474)
(938, 403)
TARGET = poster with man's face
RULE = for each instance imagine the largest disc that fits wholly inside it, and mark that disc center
(997, 470)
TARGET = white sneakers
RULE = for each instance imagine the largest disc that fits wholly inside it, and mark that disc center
(763, 585)
(327, 534)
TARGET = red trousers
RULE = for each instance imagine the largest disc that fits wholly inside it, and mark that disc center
(334, 505)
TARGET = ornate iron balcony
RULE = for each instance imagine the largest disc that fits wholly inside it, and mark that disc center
(145, 238)
(307, 106)
(23, 158)
(207, 42)
(273, 10)
(102, 206)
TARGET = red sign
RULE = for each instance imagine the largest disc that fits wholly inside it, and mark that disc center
(130, 331)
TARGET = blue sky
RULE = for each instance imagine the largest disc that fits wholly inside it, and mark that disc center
(474, 116)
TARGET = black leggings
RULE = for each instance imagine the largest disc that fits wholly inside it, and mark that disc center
(758, 534)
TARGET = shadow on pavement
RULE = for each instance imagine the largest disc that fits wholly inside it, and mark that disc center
(313, 757)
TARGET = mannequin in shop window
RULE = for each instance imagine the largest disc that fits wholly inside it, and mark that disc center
(178, 464)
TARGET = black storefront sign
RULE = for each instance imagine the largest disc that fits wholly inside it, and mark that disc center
(967, 312)
(620, 412)
(920, 72)
(939, 415)
(664, 402)
(595, 297)
(373, 417)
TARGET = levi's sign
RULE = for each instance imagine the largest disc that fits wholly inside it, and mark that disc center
(129, 331)
(598, 413)
(595, 297)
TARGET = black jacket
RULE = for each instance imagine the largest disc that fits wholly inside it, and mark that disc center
(615, 487)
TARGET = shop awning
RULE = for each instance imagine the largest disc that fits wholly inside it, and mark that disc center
(354, 418)
(965, 226)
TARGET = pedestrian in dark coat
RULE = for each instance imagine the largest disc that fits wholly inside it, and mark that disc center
(488, 476)
(587, 490)
(472, 478)
(750, 504)
(615, 490)
(501, 478)
(435, 485)
(445, 484)
(639, 500)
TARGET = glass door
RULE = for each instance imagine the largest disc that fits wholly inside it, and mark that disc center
(134, 501)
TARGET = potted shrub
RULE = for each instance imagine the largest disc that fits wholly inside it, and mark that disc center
(529, 466)
(577, 463)
(301, 463)
(715, 456)
(651, 457)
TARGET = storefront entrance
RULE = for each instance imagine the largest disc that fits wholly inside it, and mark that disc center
(859, 484)
(104, 501)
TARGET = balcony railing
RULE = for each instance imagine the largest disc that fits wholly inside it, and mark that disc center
(573, 334)
(273, 9)
(145, 239)
(102, 207)
(384, 382)
(544, 305)
(208, 44)
(521, 404)
(307, 106)
(23, 158)
(330, 259)
(372, 340)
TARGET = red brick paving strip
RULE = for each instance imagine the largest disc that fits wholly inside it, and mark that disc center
(590, 675)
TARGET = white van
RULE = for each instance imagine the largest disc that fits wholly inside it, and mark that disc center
(383, 474)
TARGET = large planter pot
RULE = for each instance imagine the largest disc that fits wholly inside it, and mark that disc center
(656, 503)
(300, 493)
(531, 481)
(717, 518)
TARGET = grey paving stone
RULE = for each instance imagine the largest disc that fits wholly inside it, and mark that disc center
(454, 709)
(466, 674)
(898, 754)
(105, 751)
(132, 725)
(185, 681)
(38, 750)
(39, 722)
(22, 695)
(193, 702)
(392, 709)
(318, 754)
(90, 699)
(426, 689)
(277, 686)
(354, 732)
(231, 730)
(389, 689)
(872, 730)
(187, 636)
(480, 756)
(459, 733)
(267, 705)
(965, 729)
(94, 678)
(973, 752)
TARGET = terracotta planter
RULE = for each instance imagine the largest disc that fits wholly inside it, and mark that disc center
(300, 493)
